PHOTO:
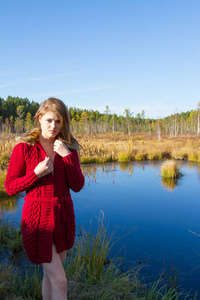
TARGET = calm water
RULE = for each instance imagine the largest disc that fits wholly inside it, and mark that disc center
(162, 220)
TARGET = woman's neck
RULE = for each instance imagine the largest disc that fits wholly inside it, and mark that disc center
(46, 141)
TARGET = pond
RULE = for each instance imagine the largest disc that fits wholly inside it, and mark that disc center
(158, 221)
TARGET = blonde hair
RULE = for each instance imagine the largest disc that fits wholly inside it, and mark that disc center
(58, 107)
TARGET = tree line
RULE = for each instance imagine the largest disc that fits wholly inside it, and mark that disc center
(17, 116)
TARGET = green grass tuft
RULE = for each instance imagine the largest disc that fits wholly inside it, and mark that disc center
(169, 169)
(124, 157)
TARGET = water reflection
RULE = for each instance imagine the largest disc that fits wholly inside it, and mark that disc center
(126, 167)
(196, 166)
(91, 171)
(7, 204)
(198, 171)
(169, 183)
(134, 195)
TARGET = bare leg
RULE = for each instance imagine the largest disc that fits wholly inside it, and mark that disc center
(63, 256)
(55, 278)
(46, 287)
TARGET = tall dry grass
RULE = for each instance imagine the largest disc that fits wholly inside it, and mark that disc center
(7, 143)
(118, 147)
(124, 148)
(170, 170)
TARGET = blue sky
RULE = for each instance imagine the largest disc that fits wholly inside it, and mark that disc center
(136, 54)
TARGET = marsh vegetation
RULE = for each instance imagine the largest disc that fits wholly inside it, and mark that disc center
(170, 170)
(116, 147)
(91, 270)
(105, 137)
(92, 273)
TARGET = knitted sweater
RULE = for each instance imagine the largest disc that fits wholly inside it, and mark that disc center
(48, 213)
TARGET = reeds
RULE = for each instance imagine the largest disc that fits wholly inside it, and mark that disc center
(2, 179)
(93, 251)
(124, 157)
(11, 239)
(7, 143)
(18, 285)
(170, 170)
(116, 147)
(123, 148)
(91, 271)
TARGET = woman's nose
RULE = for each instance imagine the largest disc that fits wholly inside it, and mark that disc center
(53, 124)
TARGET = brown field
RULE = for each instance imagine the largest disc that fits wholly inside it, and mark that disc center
(124, 148)
(108, 147)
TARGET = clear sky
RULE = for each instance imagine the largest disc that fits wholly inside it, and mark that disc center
(136, 54)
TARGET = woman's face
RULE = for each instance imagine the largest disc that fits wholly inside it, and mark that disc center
(50, 125)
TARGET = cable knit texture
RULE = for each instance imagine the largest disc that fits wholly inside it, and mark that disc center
(48, 212)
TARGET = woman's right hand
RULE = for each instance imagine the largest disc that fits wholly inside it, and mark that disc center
(44, 168)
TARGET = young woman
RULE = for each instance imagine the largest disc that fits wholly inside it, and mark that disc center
(46, 166)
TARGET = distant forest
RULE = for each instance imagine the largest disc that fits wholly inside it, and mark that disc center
(17, 116)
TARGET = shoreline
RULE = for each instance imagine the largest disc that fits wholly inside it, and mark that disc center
(115, 147)
(91, 272)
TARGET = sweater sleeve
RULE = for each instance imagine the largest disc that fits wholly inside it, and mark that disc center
(75, 177)
(17, 179)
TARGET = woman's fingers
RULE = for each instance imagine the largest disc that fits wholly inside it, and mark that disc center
(49, 164)
(44, 168)
(60, 148)
(48, 161)
(57, 145)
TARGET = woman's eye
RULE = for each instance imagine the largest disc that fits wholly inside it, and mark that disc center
(58, 122)
(48, 120)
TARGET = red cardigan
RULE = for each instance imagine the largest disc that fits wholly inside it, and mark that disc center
(48, 213)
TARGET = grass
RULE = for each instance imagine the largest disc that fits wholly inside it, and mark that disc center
(91, 270)
(7, 203)
(92, 254)
(2, 179)
(95, 160)
(124, 157)
(118, 147)
(11, 239)
(14, 285)
(124, 148)
(170, 170)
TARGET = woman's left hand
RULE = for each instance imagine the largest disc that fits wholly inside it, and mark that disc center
(60, 148)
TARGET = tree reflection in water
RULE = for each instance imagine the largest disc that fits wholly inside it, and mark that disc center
(8, 204)
(198, 170)
(90, 171)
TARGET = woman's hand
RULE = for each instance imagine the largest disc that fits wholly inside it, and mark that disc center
(61, 148)
(44, 168)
